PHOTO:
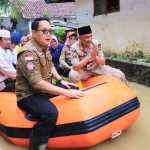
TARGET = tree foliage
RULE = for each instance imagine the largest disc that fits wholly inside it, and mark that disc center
(59, 32)
(8, 8)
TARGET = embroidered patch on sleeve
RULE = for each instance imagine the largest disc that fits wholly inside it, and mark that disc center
(99, 47)
(28, 56)
(30, 66)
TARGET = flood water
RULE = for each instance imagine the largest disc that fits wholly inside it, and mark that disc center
(136, 137)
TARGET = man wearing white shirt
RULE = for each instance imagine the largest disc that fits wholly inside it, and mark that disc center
(7, 71)
(12, 52)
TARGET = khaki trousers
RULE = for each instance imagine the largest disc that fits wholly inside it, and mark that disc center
(83, 75)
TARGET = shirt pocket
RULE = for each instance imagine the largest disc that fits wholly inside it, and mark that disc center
(49, 62)
(43, 61)
(43, 67)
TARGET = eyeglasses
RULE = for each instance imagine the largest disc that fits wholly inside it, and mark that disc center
(45, 32)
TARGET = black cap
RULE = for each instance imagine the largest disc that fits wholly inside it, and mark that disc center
(84, 30)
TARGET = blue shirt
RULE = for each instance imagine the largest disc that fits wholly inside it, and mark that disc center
(56, 54)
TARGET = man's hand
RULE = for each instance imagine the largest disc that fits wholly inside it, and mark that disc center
(70, 67)
(74, 93)
(66, 84)
(94, 50)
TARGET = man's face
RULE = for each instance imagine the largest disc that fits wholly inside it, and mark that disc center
(42, 36)
(86, 39)
(23, 41)
(5, 43)
(12, 46)
(53, 44)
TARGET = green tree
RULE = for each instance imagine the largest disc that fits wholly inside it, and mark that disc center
(59, 32)
(46, 15)
(8, 7)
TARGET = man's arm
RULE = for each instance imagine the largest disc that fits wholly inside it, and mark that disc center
(100, 60)
(76, 63)
(81, 64)
(52, 89)
(31, 70)
(97, 54)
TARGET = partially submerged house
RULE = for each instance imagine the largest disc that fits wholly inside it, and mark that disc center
(61, 14)
(120, 25)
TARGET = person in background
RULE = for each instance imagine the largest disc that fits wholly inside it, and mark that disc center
(65, 57)
(22, 43)
(7, 70)
(12, 52)
(88, 59)
(33, 83)
(16, 35)
(55, 49)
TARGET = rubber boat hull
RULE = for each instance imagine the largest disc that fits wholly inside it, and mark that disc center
(108, 108)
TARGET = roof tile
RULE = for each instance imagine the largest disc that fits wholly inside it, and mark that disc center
(32, 9)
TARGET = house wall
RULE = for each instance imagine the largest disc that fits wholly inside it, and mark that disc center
(22, 26)
(127, 29)
(6, 22)
(62, 19)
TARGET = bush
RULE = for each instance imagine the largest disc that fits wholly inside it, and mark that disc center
(60, 33)
(129, 55)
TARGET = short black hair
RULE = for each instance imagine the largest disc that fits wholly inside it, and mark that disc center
(35, 23)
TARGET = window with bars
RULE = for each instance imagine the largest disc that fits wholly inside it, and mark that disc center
(106, 6)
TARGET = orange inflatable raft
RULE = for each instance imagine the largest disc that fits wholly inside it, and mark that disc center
(108, 108)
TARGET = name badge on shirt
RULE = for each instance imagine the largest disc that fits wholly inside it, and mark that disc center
(88, 66)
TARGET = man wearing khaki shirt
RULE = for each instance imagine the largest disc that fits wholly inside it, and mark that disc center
(88, 59)
(33, 83)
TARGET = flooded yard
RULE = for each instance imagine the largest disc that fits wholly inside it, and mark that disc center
(135, 137)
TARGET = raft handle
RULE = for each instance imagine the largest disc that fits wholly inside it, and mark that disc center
(116, 134)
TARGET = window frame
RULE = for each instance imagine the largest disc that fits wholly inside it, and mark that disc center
(106, 12)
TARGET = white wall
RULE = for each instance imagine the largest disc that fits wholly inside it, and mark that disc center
(128, 29)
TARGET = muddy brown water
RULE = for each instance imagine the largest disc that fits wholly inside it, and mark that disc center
(136, 137)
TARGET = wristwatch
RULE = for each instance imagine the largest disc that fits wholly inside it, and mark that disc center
(59, 81)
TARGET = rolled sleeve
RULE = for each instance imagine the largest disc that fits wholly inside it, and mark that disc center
(30, 68)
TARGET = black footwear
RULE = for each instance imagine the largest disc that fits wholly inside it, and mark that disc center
(37, 143)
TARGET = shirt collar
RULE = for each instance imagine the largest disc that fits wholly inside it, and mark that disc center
(38, 46)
